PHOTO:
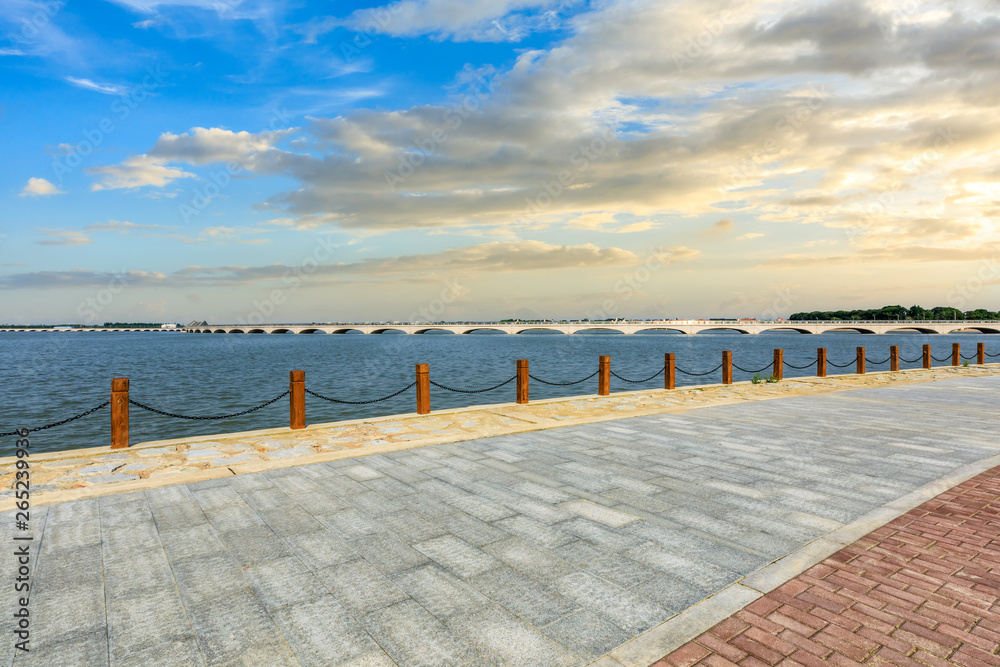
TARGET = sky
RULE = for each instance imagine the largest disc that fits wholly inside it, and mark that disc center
(293, 161)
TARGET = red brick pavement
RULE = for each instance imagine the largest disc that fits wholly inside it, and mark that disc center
(922, 591)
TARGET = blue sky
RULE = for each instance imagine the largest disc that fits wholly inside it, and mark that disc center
(294, 161)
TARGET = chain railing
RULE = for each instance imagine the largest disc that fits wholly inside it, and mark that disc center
(297, 392)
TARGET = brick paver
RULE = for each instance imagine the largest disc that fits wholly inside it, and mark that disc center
(922, 591)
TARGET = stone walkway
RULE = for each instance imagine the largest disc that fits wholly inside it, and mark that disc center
(924, 590)
(556, 547)
(82, 473)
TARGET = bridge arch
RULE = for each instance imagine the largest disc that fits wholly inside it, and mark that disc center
(433, 330)
(281, 331)
(219, 331)
(546, 329)
(722, 328)
(846, 329)
(786, 330)
(484, 329)
(237, 331)
(346, 331)
(661, 329)
(313, 331)
(387, 330)
(919, 330)
(980, 329)
(256, 331)
(592, 330)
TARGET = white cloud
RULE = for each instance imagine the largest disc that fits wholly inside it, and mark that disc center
(106, 88)
(748, 236)
(63, 237)
(39, 187)
(136, 172)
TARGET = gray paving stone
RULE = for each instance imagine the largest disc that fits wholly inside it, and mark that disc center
(183, 653)
(320, 632)
(320, 549)
(456, 556)
(387, 552)
(531, 600)
(67, 612)
(183, 514)
(235, 629)
(621, 606)
(360, 587)
(587, 634)
(254, 545)
(507, 641)
(200, 580)
(89, 649)
(536, 562)
(469, 529)
(670, 592)
(186, 544)
(411, 527)
(283, 582)
(535, 532)
(411, 637)
(140, 620)
(439, 592)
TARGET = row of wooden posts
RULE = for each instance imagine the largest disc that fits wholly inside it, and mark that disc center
(297, 383)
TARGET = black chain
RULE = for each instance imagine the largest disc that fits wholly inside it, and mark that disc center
(235, 414)
(638, 381)
(910, 361)
(967, 357)
(852, 361)
(564, 384)
(800, 368)
(943, 359)
(681, 370)
(374, 400)
(761, 370)
(993, 355)
(65, 421)
(473, 391)
(877, 363)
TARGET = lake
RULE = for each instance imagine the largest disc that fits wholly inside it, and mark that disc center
(52, 376)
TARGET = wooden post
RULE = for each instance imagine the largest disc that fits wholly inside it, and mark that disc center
(423, 389)
(956, 353)
(604, 376)
(119, 413)
(980, 353)
(522, 380)
(821, 362)
(927, 356)
(778, 368)
(297, 399)
(893, 357)
(727, 367)
(669, 371)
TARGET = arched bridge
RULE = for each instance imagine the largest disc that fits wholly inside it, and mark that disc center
(624, 327)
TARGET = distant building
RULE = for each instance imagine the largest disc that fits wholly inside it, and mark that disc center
(168, 326)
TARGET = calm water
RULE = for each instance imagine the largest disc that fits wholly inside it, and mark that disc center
(51, 376)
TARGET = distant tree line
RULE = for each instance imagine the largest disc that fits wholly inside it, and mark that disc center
(899, 313)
